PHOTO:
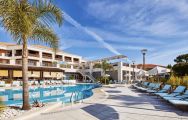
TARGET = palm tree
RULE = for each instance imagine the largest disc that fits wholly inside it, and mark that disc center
(30, 22)
(105, 66)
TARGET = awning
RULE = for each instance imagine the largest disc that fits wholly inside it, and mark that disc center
(17, 73)
(47, 75)
(3, 73)
(54, 74)
(34, 74)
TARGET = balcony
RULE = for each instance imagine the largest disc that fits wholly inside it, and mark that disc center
(32, 62)
(48, 64)
(47, 55)
(33, 53)
(18, 53)
(68, 59)
(76, 60)
(18, 62)
(65, 66)
(4, 61)
(76, 67)
(58, 57)
(8, 53)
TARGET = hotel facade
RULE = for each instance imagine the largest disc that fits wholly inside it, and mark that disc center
(44, 63)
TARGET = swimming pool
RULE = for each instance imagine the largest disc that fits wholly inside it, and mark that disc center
(64, 93)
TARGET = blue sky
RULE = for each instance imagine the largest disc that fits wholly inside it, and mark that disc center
(101, 28)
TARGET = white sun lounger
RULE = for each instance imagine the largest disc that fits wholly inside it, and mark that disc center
(16, 83)
(4, 98)
(46, 93)
(2, 83)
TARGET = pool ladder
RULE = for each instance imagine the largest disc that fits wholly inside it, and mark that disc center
(76, 96)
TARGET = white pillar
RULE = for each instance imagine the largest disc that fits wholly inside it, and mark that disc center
(40, 56)
(90, 68)
(120, 72)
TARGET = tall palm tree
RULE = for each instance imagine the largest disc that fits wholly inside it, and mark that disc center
(26, 22)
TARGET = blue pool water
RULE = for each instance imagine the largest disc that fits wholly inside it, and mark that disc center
(64, 93)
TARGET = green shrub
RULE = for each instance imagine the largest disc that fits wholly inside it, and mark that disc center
(9, 81)
(103, 79)
(71, 77)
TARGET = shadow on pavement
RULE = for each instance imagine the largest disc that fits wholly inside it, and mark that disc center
(102, 112)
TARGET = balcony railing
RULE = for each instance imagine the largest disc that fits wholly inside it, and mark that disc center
(47, 57)
(32, 64)
(18, 54)
(33, 55)
(60, 59)
(4, 62)
(68, 60)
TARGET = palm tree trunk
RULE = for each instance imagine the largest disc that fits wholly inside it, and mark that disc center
(26, 105)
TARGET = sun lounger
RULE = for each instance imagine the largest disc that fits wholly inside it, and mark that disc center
(7, 85)
(34, 94)
(16, 83)
(53, 92)
(154, 89)
(144, 85)
(46, 93)
(149, 87)
(36, 82)
(177, 91)
(4, 98)
(165, 89)
(2, 83)
(183, 104)
(2, 90)
(178, 97)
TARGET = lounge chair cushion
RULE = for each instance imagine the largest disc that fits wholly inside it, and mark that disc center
(179, 102)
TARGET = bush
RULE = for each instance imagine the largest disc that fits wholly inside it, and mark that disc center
(103, 79)
(9, 81)
(176, 81)
(180, 69)
(71, 77)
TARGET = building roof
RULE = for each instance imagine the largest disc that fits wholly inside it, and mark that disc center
(148, 66)
(7, 44)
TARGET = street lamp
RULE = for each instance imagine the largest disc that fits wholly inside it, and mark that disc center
(143, 51)
(133, 70)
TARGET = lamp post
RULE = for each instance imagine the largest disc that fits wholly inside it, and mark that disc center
(144, 51)
(133, 70)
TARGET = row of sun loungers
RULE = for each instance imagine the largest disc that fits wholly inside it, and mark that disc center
(31, 82)
(177, 97)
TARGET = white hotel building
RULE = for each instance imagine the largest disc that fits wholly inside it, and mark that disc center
(45, 64)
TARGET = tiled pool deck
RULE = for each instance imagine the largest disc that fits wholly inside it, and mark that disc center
(121, 103)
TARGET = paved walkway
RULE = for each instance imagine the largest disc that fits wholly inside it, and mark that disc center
(121, 103)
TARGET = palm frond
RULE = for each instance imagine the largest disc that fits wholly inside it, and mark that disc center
(47, 12)
(17, 18)
(45, 35)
